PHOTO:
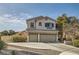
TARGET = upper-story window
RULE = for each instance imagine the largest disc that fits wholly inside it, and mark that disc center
(40, 24)
(49, 25)
(32, 24)
(52, 25)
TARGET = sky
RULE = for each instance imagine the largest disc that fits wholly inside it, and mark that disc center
(14, 15)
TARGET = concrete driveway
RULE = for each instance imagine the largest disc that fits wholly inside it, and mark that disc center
(45, 48)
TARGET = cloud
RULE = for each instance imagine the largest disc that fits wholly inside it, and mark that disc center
(7, 15)
(11, 21)
(9, 18)
(25, 15)
(5, 20)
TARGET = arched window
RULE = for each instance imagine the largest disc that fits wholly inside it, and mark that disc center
(40, 24)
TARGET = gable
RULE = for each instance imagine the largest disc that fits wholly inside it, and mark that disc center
(40, 18)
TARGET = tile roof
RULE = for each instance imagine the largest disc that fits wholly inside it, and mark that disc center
(40, 17)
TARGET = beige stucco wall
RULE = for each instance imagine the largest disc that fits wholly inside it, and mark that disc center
(43, 21)
(36, 24)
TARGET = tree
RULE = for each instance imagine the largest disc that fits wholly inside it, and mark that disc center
(5, 32)
(11, 32)
(74, 20)
(72, 28)
(62, 21)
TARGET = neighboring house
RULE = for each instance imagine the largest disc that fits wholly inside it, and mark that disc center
(41, 29)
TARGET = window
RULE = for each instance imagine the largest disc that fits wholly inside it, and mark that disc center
(32, 25)
(40, 24)
(49, 25)
(52, 25)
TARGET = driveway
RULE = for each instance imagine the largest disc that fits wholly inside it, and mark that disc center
(64, 48)
(44, 48)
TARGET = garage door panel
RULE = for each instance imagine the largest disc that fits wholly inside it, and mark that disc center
(33, 38)
(48, 38)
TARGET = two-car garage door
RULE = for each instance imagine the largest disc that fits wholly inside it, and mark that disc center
(43, 38)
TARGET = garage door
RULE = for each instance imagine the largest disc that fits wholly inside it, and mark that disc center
(33, 38)
(47, 38)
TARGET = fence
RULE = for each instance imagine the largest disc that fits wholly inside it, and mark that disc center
(6, 38)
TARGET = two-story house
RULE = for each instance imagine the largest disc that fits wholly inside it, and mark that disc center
(41, 29)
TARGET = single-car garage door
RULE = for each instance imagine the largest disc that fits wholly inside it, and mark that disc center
(33, 38)
(48, 38)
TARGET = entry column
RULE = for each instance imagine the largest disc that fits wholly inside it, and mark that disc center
(57, 37)
(28, 37)
(38, 37)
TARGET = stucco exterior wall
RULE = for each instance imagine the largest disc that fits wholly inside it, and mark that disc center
(43, 21)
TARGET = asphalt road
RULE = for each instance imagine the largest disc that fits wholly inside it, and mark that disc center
(9, 52)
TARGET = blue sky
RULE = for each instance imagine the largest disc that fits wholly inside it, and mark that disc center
(13, 16)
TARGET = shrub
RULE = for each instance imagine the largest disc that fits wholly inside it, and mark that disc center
(76, 43)
(2, 45)
(13, 52)
(19, 39)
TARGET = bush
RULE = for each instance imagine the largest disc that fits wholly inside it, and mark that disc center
(19, 39)
(2, 45)
(13, 52)
(76, 43)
